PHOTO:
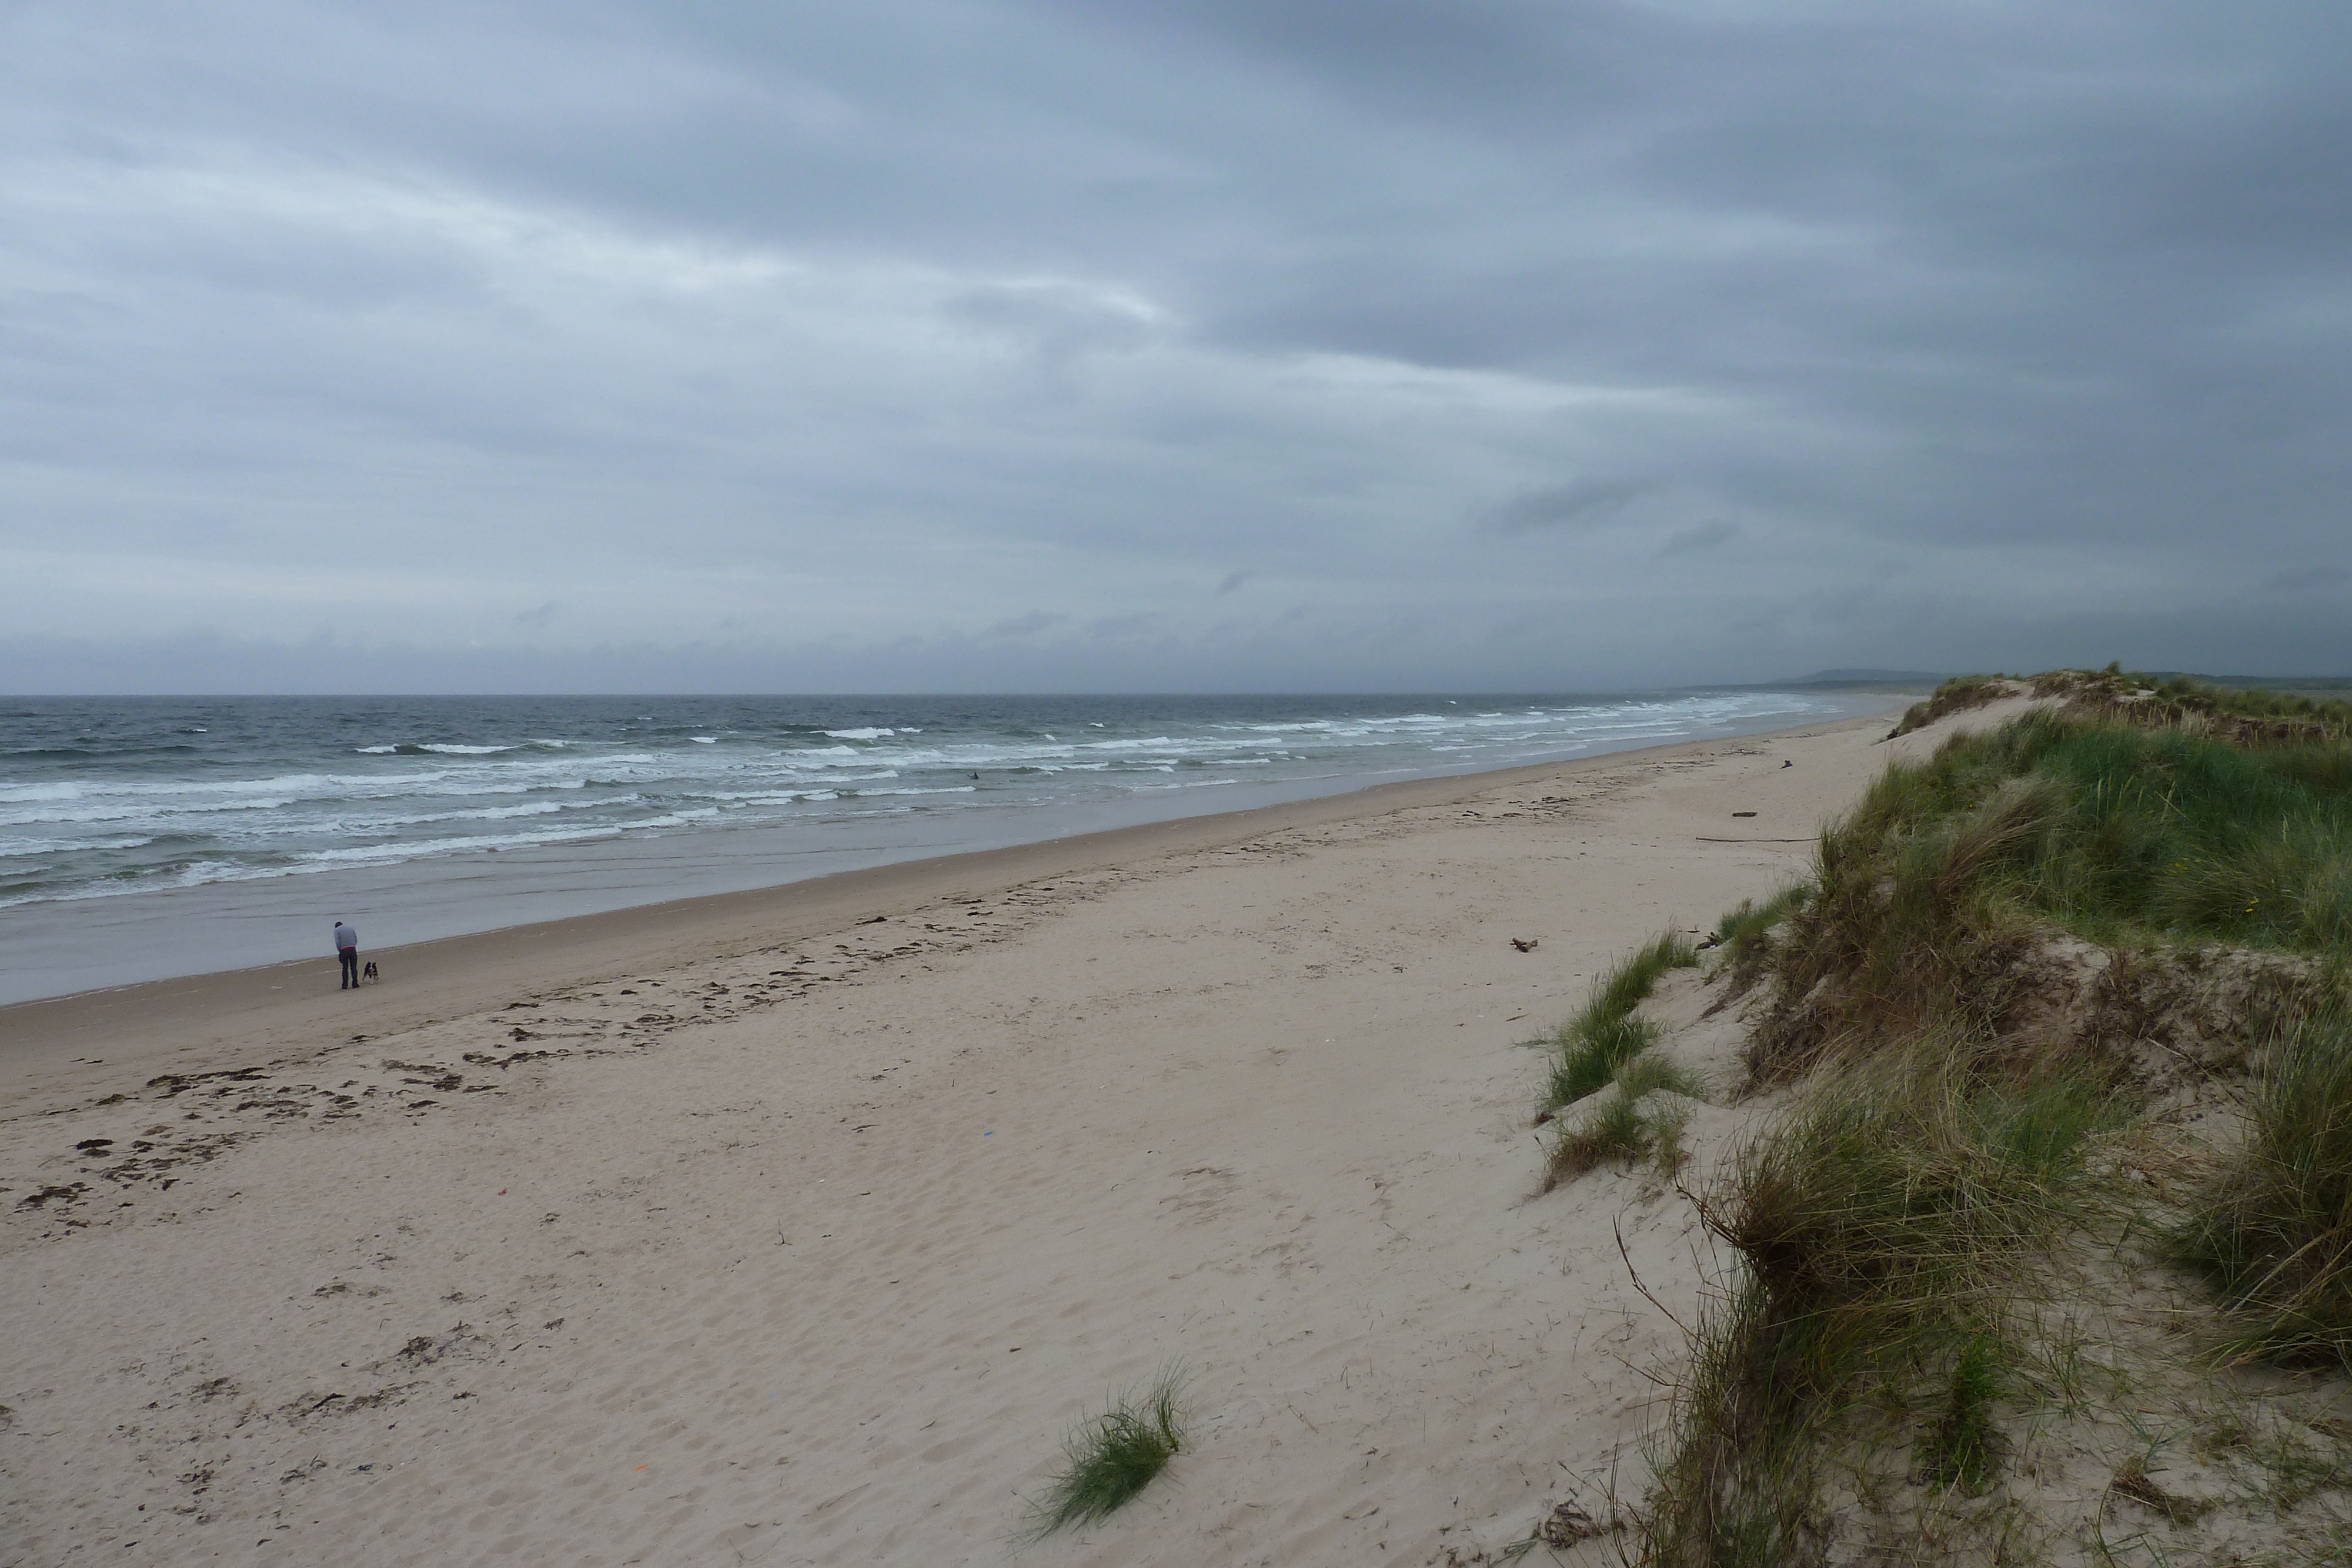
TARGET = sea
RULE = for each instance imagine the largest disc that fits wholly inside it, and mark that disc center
(143, 838)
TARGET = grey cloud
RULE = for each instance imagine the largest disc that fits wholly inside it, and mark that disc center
(1059, 319)
(2305, 580)
(1127, 628)
(886, 324)
(1524, 644)
(1586, 503)
(1027, 625)
(1705, 536)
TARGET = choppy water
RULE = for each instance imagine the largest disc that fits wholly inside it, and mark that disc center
(129, 795)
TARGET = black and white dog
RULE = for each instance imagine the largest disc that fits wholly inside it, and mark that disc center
(368, 972)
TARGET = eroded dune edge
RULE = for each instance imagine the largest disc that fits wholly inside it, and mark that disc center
(815, 1250)
(2033, 1247)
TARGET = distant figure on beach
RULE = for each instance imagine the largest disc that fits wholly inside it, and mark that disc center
(347, 951)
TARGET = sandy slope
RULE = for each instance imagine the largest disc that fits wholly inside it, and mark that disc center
(811, 1254)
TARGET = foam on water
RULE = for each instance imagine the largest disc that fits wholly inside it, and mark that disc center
(101, 798)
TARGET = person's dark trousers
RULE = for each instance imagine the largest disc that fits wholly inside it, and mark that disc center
(351, 957)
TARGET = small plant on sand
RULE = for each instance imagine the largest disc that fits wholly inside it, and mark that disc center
(1743, 936)
(1964, 1446)
(1113, 1457)
(1591, 1047)
(1626, 1124)
(1590, 1053)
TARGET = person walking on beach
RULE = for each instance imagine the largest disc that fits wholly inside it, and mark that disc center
(347, 950)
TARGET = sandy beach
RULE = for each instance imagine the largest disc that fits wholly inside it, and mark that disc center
(799, 1227)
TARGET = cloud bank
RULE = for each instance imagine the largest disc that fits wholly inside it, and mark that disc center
(1001, 345)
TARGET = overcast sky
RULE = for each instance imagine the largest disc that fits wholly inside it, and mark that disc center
(1157, 345)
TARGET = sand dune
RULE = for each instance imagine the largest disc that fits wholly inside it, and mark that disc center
(804, 1240)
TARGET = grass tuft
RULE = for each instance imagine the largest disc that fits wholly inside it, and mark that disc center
(1618, 1128)
(1964, 1448)
(1888, 1232)
(1627, 1124)
(1590, 1053)
(1590, 1049)
(1112, 1458)
(1647, 1074)
(1745, 933)
(2275, 1228)
(1739, 1486)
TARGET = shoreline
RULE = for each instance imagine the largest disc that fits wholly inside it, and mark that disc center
(66, 946)
(195, 1022)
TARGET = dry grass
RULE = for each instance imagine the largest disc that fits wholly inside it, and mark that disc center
(1933, 1206)
(1887, 1233)
(2275, 1228)
(1927, 895)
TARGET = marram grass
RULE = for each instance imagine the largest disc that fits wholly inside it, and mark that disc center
(1951, 870)
(1745, 933)
(1890, 1230)
(1590, 1049)
(2273, 1228)
(1628, 1125)
(1963, 1448)
(1113, 1457)
(1901, 1231)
